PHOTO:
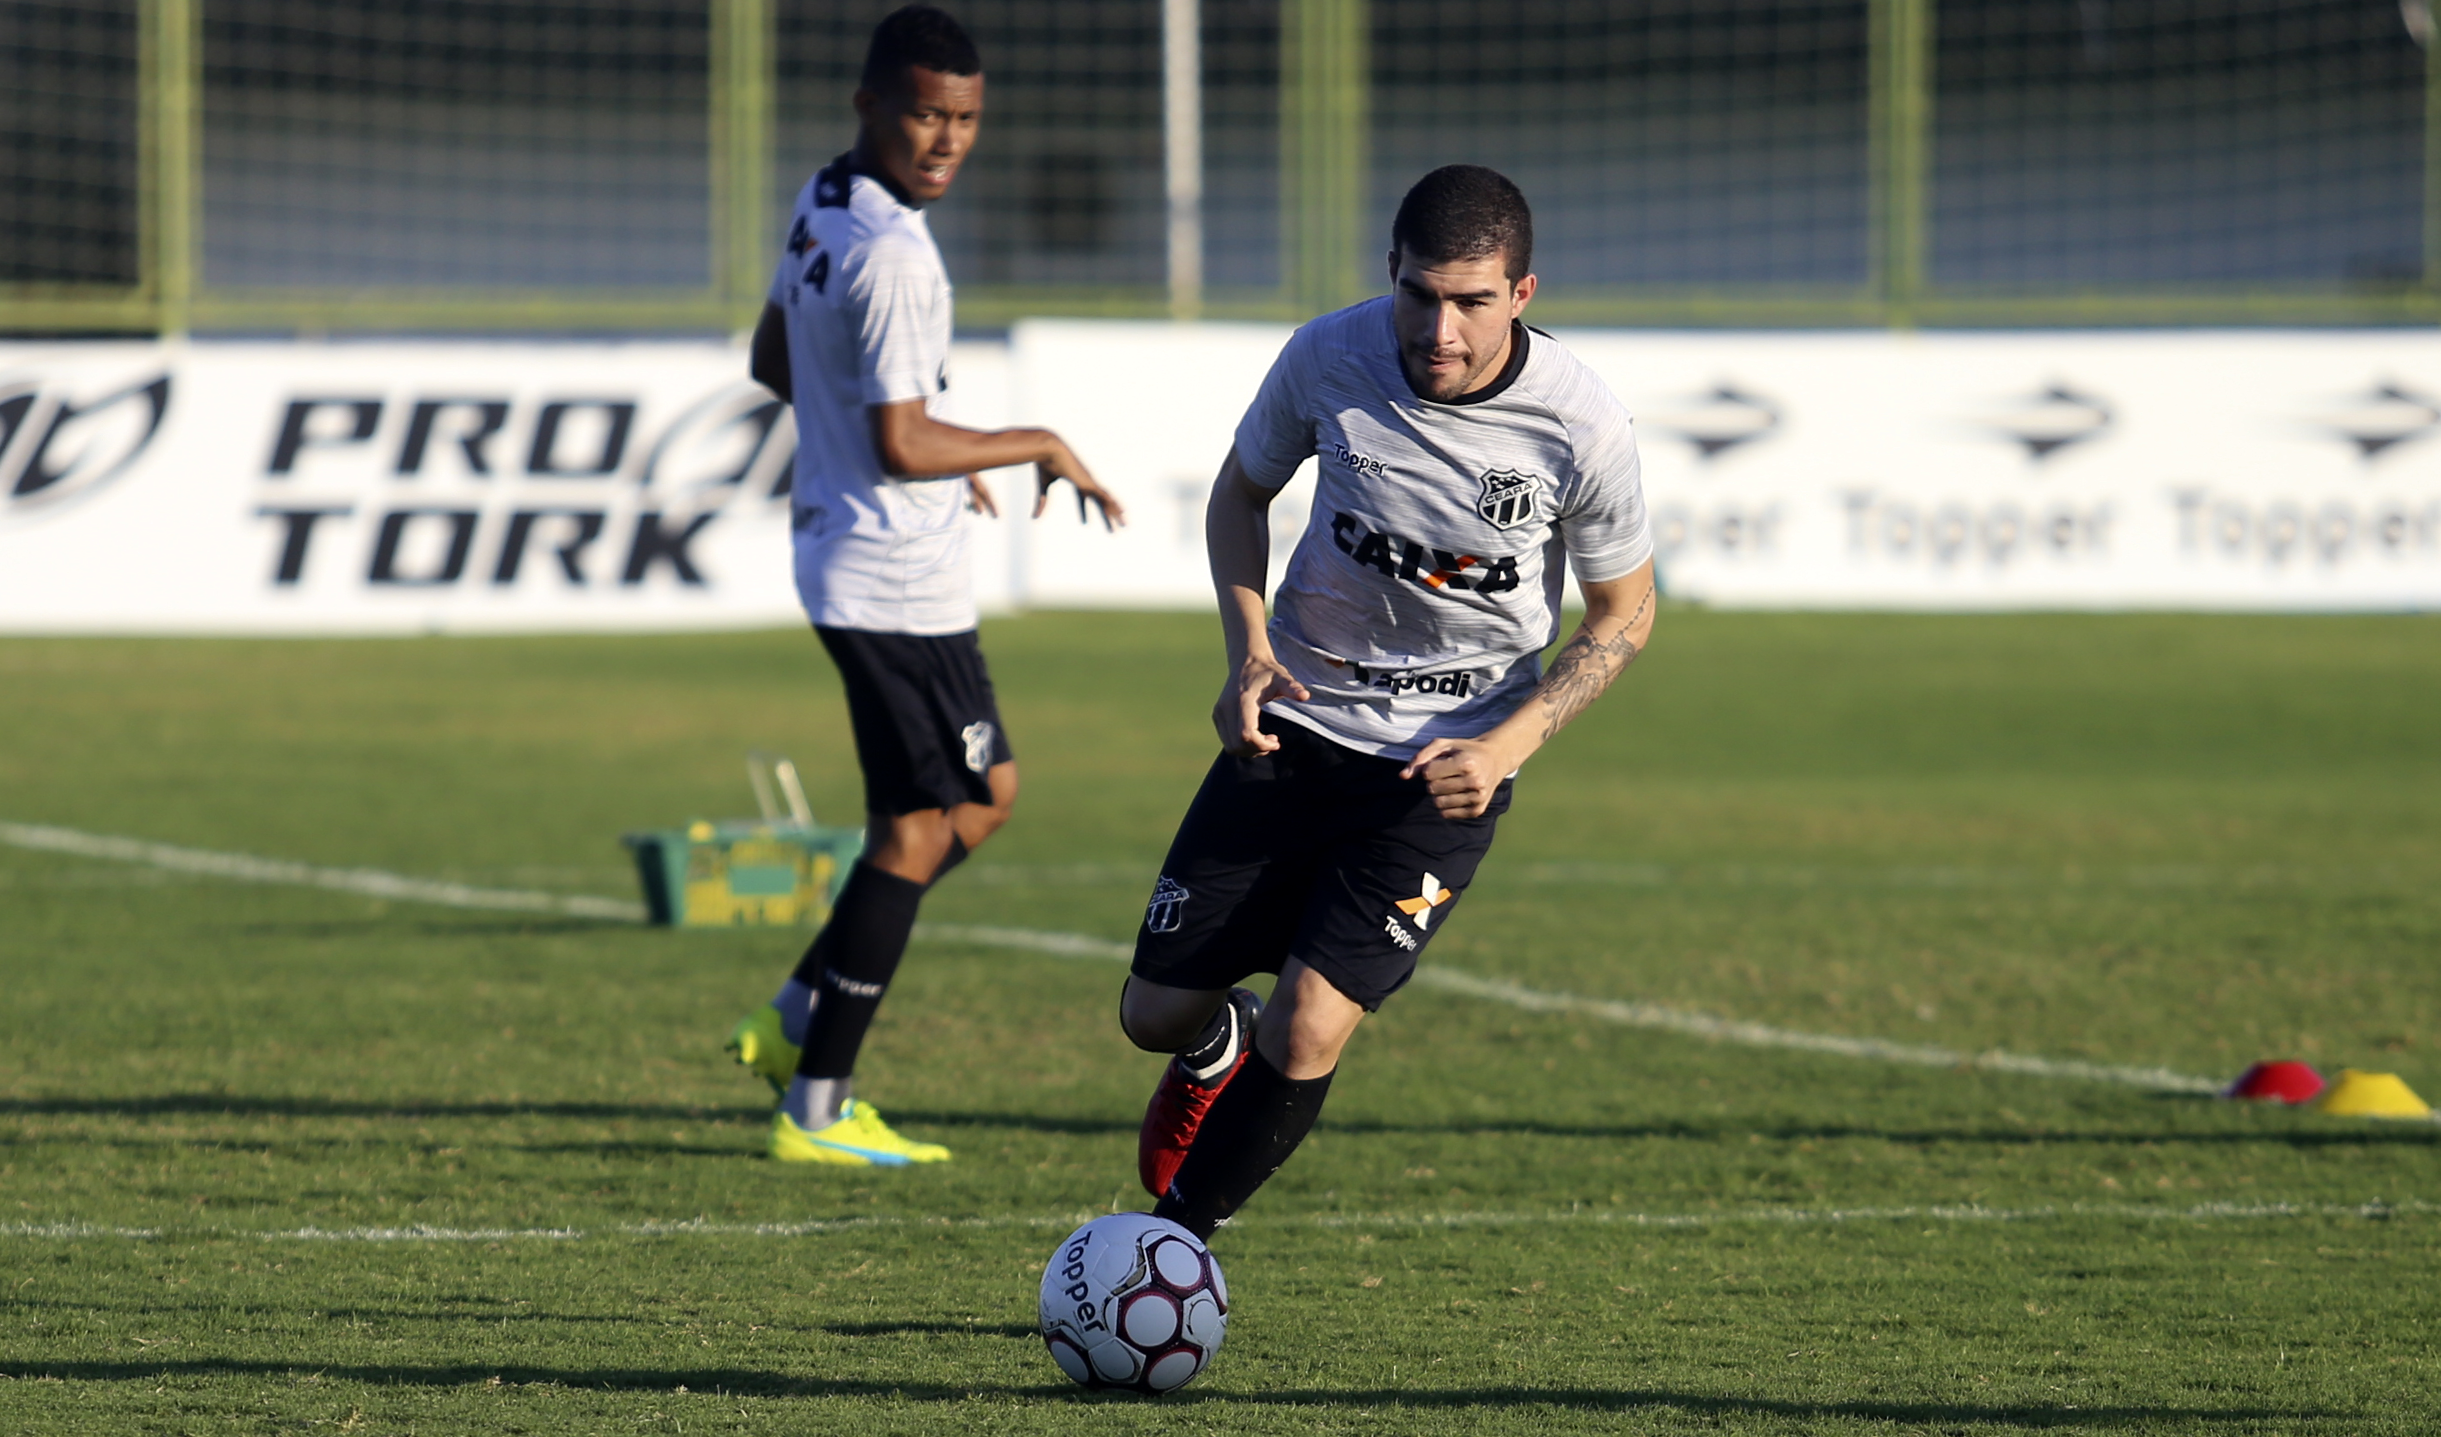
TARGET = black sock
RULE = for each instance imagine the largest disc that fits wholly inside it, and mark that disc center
(1215, 1048)
(956, 855)
(1255, 1124)
(850, 966)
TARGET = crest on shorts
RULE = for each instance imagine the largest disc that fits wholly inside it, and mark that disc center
(1169, 905)
(1509, 497)
(978, 736)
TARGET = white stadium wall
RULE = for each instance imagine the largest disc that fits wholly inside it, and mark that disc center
(410, 487)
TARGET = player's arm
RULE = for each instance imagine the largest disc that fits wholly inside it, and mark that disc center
(767, 363)
(767, 360)
(913, 445)
(1461, 773)
(1237, 539)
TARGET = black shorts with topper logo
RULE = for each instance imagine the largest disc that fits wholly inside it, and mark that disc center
(1315, 852)
(927, 725)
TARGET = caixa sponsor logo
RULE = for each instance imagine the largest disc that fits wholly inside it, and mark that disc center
(58, 445)
(431, 490)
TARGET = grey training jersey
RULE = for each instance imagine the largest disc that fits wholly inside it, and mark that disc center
(1427, 583)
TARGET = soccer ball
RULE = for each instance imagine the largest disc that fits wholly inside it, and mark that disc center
(1133, 1301)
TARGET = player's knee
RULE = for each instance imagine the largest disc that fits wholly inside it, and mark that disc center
(910, 845)
(1162, 1020)
(1304, 1036)
(1002, 781)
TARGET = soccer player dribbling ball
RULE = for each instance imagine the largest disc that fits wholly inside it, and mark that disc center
(1371, 731)
(856, 337)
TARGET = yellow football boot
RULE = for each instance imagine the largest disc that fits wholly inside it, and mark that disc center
(859, 1139)
(762, 1049)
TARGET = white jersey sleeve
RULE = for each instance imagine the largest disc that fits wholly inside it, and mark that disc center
(893, 290)
(1277, 433)
(1601, 515)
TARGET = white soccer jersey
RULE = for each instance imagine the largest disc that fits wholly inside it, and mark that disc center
(868, 309)
(1427, 583)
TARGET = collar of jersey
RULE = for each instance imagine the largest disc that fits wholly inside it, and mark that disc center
(889, 186)
(1515, 366)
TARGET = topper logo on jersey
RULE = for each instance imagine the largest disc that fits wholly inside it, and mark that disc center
(435, 481)
(1364, 464)
(1399, 558)
(56, 447)
(1508, 498)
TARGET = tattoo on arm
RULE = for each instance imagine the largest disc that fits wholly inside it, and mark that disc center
(1583, 670)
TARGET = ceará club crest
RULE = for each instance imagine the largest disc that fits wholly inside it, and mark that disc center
(1509, 497)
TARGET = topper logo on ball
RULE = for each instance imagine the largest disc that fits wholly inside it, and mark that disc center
(1134, 1302)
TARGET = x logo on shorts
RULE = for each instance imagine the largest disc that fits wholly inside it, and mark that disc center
(1432, 895)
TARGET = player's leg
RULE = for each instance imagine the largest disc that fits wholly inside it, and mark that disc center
(1230, 893)
(972, 823)
(842, 979)
(932, 841)
(887, 719)
(1391, 884)
(1208, 1032)
(1271, 1104)
(938, 773)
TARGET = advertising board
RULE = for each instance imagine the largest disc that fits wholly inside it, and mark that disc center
(411, 487)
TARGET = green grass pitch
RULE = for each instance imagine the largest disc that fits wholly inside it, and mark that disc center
(2159, 840)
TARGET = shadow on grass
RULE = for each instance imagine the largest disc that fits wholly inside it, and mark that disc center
(953, 1329)
(739, 1382)
(2348, 1135)
(2351, 1136)
(488, 1311)
(245, 1105)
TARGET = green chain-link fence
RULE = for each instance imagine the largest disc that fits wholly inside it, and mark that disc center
(619, 165)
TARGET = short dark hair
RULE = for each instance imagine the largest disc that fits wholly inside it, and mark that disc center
(917, 37)
(1466, 212)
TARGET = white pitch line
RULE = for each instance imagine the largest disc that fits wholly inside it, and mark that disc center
(1786, 1217)
(372, 882)
(1035, 940)
(1758, 1035)
(377, 883)
(1648, 1015)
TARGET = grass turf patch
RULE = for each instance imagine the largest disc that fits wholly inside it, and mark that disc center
(2158, 840)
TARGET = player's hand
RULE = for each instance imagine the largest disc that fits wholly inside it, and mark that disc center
(1238, 715)
(1461, 774)
(1063, 464)
(979, 497)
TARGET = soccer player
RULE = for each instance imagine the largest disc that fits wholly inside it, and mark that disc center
(856, 337)
(1371, 731)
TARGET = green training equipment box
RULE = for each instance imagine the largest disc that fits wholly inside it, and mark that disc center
(777, 871)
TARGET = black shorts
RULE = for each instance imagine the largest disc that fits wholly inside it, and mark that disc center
(927, 726)
(1317, 853)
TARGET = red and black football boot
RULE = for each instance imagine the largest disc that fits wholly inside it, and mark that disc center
(1181, 1100)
